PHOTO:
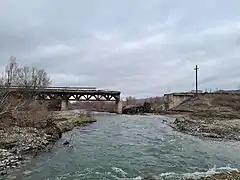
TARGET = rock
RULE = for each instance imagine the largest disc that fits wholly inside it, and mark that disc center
(3, 150)
(211, 135)
(54, 132)
(3, 172)
(12, 157)
(17, 163)
(9, 144)
(66, 142)
(13, 160)
(27, 172)
(45, 142)
(17, 144)
(19, 158)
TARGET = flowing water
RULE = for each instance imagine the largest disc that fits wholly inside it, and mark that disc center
(132, 147)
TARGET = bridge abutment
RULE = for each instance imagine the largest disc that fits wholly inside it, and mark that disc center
(119, 107)
(64, 105)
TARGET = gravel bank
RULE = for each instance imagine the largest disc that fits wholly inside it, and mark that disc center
(205, 127)
(19, 144)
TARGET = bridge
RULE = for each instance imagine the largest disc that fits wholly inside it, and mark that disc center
(66, 94)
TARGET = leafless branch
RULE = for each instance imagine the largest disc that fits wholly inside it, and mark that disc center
(23, 111)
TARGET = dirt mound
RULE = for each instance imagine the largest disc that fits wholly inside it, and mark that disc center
(210, 115)
(221, 105)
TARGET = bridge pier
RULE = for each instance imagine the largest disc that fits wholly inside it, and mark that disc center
(119, 107)
(64, 105)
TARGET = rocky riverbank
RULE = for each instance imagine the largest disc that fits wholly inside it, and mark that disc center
(214, 116)
(19, 144)
(208, 127)
(209, 115)
(224, 176)
(205, 127)
(234, 175)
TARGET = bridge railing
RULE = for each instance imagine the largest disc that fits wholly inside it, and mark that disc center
(70, 88)
(19, 88)
(55, 89)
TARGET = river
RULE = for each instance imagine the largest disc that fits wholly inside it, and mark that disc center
(131, 147)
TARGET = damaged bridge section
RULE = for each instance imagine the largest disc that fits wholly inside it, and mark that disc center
(137, 109)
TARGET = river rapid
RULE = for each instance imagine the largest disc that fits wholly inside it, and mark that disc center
(131, 147)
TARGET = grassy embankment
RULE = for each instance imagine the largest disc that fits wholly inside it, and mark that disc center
(67, 124)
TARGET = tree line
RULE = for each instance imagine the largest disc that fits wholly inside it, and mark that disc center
(26, 76)
(16, 110)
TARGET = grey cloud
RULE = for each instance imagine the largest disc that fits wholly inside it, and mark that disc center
(141, 48)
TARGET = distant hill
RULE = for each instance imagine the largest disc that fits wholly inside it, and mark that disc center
(228, 91)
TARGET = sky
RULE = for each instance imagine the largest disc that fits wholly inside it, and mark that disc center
(141, 48)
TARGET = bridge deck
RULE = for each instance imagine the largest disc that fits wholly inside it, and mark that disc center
(68, 90)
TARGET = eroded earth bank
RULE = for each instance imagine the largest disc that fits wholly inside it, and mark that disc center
(214, 116)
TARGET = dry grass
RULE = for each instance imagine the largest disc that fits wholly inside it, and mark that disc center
(213, 105)
(232, 101)
(16, 111)
(81, 120)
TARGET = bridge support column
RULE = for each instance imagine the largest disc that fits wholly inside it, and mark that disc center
(119, 107)
(64, 105)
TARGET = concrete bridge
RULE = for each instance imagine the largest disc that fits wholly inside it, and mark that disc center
(66, 94)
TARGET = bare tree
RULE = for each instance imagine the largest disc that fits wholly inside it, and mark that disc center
(10, 75)
(131, 100)
(24, 76)
(16, 109)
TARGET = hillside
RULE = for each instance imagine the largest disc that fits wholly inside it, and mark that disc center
(221, 105)
(215, 115)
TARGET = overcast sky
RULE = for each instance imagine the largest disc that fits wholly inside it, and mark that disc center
(142, 48)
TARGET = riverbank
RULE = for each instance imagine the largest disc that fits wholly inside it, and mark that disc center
(206, 127)
(214, 116)
(19, 144)
(234, 175)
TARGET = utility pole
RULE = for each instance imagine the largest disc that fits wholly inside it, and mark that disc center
(196, 69)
